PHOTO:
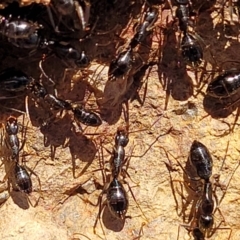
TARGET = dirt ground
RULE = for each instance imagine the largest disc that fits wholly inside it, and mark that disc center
(168, 111)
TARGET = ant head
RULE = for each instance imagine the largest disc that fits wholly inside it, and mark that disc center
(121, 137)
(12, 126)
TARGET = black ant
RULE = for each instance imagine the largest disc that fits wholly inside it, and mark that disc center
(14, 80)
(191, 49)
(121, 65)
(63, 50)
(203, 220)
(116, 196)
(143, 29)
(16, 28)
(22, 178)
(222, 93)
(225, 85)
(127, 60)
(12, 138)
(201, 160)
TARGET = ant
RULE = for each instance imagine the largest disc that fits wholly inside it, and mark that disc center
(126, 60)
(203, 220)
(17, 28)
(81, 114)
(225, 85)
(116, 196)
(191, 49)
(221, 96)
(201, 160)
(143, 29)
(61, 49)
(21, 176)
(14, 80)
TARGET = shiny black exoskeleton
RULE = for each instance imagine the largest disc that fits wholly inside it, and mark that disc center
(68, 52)
(191, 50)
(117, 199)
(17, 28)
(201, 160)
(22, 82)
(23, 179)
(121, 65)
(198, 234)
(206, 207)
(33, 42)
(64, 51)
(40, 92)
(12, 138)
(86, 117)
(224, 85)
(21, 175)
(118, 155)
(81, 115)
(14, 80)
(125, 60)
(183, 14)
(143, 29)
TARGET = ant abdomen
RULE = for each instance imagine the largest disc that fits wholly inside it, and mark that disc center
(201, 159)
(86, 117)
(224, 85)
(117, 199)
(23, 179)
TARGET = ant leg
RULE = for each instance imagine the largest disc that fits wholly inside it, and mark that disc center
(74, 191)
(80, 14)
(83, 16)
(149, 147)
(188, 176)
(126, 163)
(175, 189)
(126, 115)
(8, 172)
(24, 134)
(135, 200)
(223, 162)
(74, 234)
(27, 108)
(98, 218)
(44, 73)
(50, 15)
(217, 184)
(140, 234)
